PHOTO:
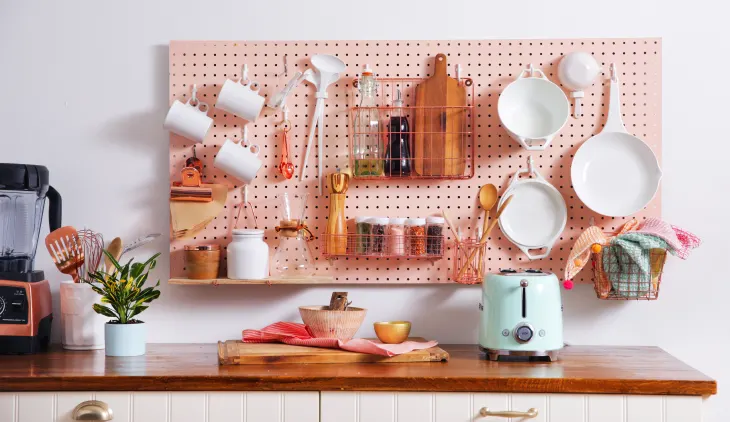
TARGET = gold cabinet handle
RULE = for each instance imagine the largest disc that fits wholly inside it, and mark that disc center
(92, 410)
(532, 413)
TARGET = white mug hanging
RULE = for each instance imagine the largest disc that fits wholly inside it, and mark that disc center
(189, 119)
(241, 98)
(239, 160)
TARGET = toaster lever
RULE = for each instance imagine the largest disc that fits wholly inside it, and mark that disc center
(524, 284)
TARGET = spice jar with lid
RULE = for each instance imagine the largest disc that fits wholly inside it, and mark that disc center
(378, 227)
(202, 261)
(435, 235)
(416, 236)
(248, 255)
(397, 236)
(362, 236)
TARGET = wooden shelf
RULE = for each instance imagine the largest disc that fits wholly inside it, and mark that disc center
(269, 280)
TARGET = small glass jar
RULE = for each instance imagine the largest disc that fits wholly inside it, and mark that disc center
(378, 226)
(416, 236)
(362, 232)
(202, 261)
(435, 235)
(248, 255)
(397, 236)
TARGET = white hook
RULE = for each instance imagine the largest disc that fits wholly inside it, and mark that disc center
(244, 135)
(458, 73)
(285, 112)
(530, 165)
(245, 195)
(195, 94)
(614, 72)
(244, 73)
(531, 69)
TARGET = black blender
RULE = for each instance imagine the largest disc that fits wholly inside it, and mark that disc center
(25, 296)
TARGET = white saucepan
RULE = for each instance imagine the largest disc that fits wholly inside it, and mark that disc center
(537, 215)
(615, 173)
(533, 110)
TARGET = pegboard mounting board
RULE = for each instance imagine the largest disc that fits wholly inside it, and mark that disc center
(492, 64)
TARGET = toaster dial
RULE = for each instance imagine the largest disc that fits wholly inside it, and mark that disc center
(523, 332)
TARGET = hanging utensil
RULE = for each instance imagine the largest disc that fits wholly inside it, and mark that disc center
(327, 70)
(537, 216)
(615, 173)
(286, 168)
(488, 197)
(577, 71)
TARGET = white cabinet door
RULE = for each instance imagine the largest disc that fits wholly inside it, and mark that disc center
(465, 407)
(166, 407)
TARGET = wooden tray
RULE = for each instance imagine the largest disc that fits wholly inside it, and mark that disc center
(236, 352)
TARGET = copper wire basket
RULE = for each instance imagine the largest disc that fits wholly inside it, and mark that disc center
(623, 278)
(440, 139)
(382, 246)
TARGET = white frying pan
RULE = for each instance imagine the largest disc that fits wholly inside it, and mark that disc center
(536, 217)
(615, 173)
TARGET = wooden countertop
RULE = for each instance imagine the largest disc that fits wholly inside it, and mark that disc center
(194, 367)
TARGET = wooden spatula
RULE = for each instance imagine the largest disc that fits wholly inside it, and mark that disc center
(439, 144)
(66, 250)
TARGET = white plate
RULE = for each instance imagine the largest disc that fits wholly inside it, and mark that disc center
(615, 174)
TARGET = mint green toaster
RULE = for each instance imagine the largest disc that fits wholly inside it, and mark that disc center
(521, 316)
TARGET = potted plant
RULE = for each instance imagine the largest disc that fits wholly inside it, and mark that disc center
(123, 297)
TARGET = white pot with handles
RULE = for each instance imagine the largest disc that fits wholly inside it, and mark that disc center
(81, 327)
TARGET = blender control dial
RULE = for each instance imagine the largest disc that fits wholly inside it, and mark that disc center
(2, 305)
(523, 333)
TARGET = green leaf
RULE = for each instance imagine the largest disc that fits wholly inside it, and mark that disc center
(114, 262)
(137, 310)
(103, 310)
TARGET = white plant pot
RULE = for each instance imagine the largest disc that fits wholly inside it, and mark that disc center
(125, 339)
(82, 328)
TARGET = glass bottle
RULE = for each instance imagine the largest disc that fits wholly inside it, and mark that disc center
(292, 257)
(398, 156)
(366, 128)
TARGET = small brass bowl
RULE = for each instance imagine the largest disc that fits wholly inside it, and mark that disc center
(392, 332)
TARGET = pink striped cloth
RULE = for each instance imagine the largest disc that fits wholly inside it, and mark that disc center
(681, 241)
(298, 334)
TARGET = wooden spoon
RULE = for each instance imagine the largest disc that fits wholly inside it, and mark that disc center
(485, 235)
(115, 249)
(487, 199)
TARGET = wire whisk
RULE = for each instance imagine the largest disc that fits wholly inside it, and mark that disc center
(93, 247)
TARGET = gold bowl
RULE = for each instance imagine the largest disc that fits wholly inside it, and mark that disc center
(392, 332)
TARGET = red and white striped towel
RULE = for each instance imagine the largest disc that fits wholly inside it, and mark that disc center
(298, 334)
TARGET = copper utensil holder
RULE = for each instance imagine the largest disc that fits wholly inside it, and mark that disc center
(202, 261)
(470, 253)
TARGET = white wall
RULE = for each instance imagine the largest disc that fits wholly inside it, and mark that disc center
(83, 90)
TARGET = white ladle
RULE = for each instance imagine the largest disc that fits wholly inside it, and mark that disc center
(577, 71)
(327, 71)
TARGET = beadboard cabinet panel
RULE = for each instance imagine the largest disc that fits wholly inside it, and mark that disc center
(314, 406)
(465, 407)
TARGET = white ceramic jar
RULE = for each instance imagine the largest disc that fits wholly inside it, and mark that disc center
(248, 255)
(82, 327)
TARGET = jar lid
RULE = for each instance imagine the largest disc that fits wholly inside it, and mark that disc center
(397, 220)
(415, 221)
(202, 247)
(435, 220)
(382, 221)
(247, 232)
(361, 219)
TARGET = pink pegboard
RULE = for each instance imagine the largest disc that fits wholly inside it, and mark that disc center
(491, 64)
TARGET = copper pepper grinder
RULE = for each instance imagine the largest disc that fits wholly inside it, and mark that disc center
(336, 243)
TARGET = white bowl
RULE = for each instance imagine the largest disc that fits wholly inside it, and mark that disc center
(533, 110)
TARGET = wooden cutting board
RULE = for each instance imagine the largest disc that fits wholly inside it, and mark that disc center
(235, 352)
(439, 142)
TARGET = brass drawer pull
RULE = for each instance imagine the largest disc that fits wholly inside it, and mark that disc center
(92, 410)
(532, 413)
